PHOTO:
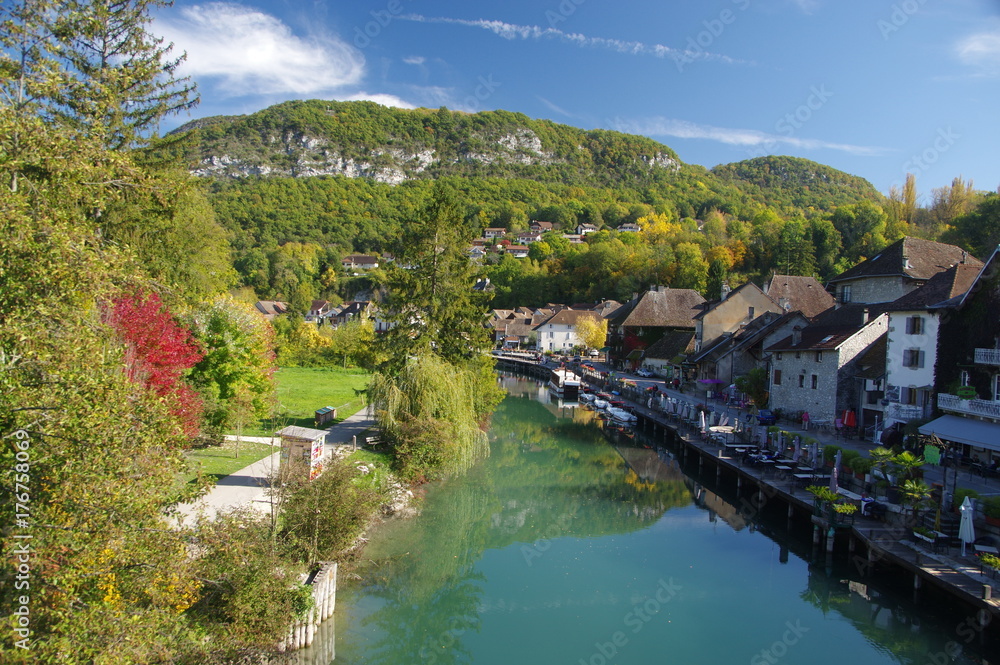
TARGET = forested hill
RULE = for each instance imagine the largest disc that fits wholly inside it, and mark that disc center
(801, 183)
(391, 145)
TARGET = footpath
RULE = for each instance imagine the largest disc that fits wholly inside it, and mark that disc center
(248, 486)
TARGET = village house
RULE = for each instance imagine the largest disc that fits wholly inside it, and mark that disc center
(271, 308)
(585, 228)
(913, 338)
(528, 237)
(629, 227)
(558, 332)
(354, 262)
(795, 293)
(900, 268)
(494, 233)
(642, 321)
(518, 251)
(967, 378)
(813, 369)
(540, 227)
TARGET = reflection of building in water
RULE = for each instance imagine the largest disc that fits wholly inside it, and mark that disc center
(718, 507)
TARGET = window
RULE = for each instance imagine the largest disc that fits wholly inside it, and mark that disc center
(914, 325)
(798, 354)
(908, 396)
(750, 313)
(777, 356)
(815, 382)
(802, 380)
(913, 358)
(845, 293)
(996, 388)
(819, 356)
(964, 377)
(777, 377)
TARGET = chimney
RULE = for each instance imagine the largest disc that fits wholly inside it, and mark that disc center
(797, 335)
(725, 290)
(965, 257)
(864, 316)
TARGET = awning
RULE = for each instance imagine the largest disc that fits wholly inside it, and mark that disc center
(964, 430)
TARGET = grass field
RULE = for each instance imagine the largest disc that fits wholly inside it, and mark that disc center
(302, 390)
(219, 461)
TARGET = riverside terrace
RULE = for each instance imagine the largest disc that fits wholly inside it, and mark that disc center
(870, 542)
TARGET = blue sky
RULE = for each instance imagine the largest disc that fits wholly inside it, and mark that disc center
(876, 88)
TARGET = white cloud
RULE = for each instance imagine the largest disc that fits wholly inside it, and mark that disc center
(807, 6)
(981, 50)
(415, 60)
(731, 136)
(247, 52)
(512, 31)
(555, 109)
(379, 98)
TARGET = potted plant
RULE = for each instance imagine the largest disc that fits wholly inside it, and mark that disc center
(991, 561)
(915, 495)
(861, 466)
(843, 513)
(923, 533)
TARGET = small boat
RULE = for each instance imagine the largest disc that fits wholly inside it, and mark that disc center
(564, 383)
(600, 403)
(621, 415)
(587, 397)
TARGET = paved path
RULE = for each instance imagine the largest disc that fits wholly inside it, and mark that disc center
(248, 486)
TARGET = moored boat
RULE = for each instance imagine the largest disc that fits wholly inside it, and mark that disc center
(565, 383)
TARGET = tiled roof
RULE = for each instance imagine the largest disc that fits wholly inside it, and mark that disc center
(803, 294)
(570, 317)
(915, 258)
(672, 344)
(943, 286)
(831, 328)
(660, 308)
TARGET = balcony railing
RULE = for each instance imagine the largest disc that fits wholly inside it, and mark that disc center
(972, 407)
(988, 356)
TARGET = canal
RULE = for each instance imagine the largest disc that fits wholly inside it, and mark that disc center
(573, 545)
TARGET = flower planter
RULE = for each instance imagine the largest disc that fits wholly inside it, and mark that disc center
(993, 521)
(920, 536)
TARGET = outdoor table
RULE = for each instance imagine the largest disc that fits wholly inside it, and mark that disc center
(783, 468)
(987, 549)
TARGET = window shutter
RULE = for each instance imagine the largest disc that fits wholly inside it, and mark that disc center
(920, 358)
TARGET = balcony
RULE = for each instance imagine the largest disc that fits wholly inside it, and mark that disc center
(988, 356)
(972, 407)
(904, 412)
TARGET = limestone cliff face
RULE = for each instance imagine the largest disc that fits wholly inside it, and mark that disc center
(361, 140)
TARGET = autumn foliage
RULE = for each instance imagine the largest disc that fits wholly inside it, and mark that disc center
(158, 354)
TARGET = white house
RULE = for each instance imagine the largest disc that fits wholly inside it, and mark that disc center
(558, 332)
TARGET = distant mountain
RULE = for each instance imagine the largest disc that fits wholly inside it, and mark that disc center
(391, 145)
(782, 181)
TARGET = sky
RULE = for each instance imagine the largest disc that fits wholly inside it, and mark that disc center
(876, 88)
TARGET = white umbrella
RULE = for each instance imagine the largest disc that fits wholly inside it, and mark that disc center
(835, 474)
(798, 450)
(724, 421)
(814, 454)
(701, 420)
(965, 529)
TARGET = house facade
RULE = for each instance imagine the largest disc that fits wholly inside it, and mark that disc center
(558, 332)
(967, 377)
(813, 369)
(911, 353)
(642, 321)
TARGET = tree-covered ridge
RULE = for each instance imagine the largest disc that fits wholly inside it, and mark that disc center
(787, 183)
(310, 137)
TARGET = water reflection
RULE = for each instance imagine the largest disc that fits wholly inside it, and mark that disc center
(541, 552)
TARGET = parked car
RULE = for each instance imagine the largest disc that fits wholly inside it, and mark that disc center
(766, 417)
(643, 372)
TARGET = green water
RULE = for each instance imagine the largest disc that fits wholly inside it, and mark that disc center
(557, 550)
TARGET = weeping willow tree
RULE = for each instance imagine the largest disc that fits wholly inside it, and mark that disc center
(430, 415)
(435, 387)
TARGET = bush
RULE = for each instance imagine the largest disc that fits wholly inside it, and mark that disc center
(861, 464)
(991, 507)
(960, 495)
(848, 456)
(830, 452)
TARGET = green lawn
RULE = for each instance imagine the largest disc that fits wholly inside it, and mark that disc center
(219, 461)
(302, 390)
